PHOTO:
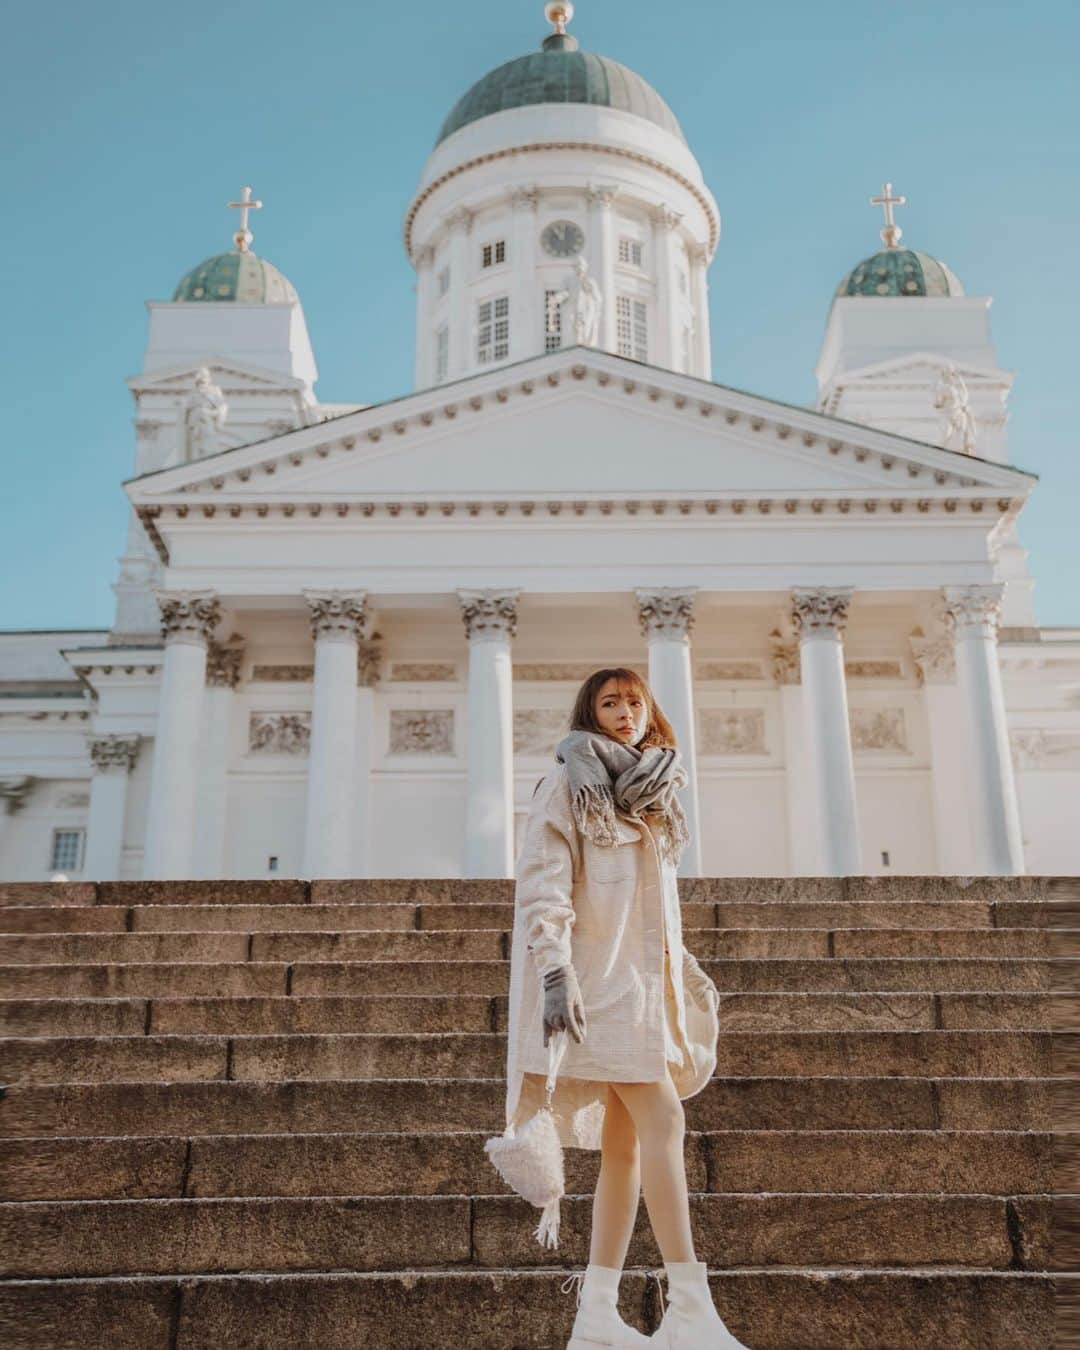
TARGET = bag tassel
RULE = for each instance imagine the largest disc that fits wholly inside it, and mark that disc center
(547, 1230)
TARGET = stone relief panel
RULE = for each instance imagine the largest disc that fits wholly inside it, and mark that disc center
(279, 733)
(732, 731)
(73, 799)
(421, 731)
(538, 730)
(568, 670)
(1039, 748)
(284, 674)
(874, 670)
(423, 671)
(730, 670)
(882, 729)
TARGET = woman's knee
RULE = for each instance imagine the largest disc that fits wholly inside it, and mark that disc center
(656, 1109)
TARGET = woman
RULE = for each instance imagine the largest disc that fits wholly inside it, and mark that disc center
(597, 951)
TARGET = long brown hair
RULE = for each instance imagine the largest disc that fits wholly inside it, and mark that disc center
(658, 730)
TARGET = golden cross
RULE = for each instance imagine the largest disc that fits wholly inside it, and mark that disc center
(891, 233)
(243, 236)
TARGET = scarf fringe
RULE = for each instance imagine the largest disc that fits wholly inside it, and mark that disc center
(593, 810)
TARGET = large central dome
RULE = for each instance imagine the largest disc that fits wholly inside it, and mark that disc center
(560, 74)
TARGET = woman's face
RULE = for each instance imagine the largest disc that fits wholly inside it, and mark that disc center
(621, 712)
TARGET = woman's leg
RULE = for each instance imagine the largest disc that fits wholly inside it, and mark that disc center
(618, 1187)
(657, 1112)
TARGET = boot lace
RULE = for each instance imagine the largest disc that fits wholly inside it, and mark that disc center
(578, 1275)
(655, 1274)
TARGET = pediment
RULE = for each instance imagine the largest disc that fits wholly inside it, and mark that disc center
(230, 375)
(922, 367)
(577, 424)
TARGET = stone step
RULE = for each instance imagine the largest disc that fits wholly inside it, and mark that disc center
(489, 944)
(807, 1162)
(826, 1309)
(453, 890)
(53, 1239)
(345, 918)
(260, 1016)
(740, 1054)
(836, 975)
(423, 1105)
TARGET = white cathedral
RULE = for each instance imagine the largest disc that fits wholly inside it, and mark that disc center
(347, 636)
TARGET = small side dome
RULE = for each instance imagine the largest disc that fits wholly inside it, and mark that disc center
(240, 276)
(900, 271)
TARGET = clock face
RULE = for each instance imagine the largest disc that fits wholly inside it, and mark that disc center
(562, 239)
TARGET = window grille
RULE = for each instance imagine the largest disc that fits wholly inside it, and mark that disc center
(494, 253)
(442, 354)
(632, 327)
(552, 322)
(493, 329)
(444, 281)
(67, 847)
(630, 251)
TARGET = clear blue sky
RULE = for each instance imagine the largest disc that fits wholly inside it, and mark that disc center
(128, 126)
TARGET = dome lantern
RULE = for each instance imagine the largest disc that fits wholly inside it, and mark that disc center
(896, 271)
(240, 275)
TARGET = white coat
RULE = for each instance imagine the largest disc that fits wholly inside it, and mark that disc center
(606, 911)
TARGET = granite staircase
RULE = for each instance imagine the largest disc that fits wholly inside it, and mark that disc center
(251, 1114)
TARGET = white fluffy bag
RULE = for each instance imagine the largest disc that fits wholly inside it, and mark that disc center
(530, 1161)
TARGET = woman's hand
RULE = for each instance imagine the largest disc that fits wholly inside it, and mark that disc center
(563, 1006)
(700, 988)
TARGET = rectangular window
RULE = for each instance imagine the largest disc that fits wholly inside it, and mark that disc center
(493, 329)
(442, 353)
(630, 251)
(494, 253)
(552, 322)
(632, 327)
(444, 281)
(67, 849)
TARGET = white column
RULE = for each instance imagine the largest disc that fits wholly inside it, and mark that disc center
(802, 849)
(370, 655)
(113, 758)
(13, 794)
(222, 676)
(666, 615)
(668, 341)
(601, 199)
(424, 372)
(935, 662)
(338, 621)
(819, 615)
(460, 306)
(699, 294)
(526, 326)
(188, 619)
(972, 615)
(490, 618)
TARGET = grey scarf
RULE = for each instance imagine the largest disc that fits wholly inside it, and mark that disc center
(605, 774)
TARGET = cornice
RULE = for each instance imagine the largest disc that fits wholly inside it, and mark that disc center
(577, 147)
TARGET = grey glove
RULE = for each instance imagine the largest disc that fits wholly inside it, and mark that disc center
(563, 1006)
(700, 988)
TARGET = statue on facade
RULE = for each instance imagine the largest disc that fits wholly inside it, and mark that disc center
(951, 397)
(203, 415)
(586, 301)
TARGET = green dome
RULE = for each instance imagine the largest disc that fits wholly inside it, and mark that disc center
(243, 277)
(900, 271)
(560, 74)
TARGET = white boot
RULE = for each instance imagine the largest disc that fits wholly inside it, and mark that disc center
(598, 1322)
(691, 1321)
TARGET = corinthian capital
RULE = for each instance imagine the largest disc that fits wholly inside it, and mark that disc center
(665, 216)
(368, 657)
(114, 752)
(339, 616)
(188, 616)
(786, 661)
(820, 611)
(601, 196)
(14, 792)
(973, 611)
(489, 614)
(666, 612)
(525, 198)
(460, 220)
